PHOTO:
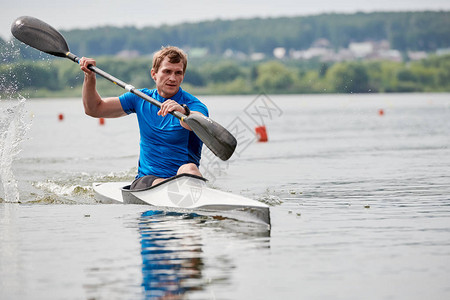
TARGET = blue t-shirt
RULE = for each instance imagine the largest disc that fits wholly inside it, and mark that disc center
(165, 145)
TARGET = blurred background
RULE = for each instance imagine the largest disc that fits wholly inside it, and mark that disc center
(287, 47)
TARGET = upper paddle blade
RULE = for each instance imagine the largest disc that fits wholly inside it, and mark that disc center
(219, 140)
(39, 35)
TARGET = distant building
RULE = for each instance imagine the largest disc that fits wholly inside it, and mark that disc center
(312, 53)
(361, 50)
(368, 50)
(229, 53)
(257, 56)
(128, 54)
(321, 43)
(392, 55)
(343, 55)
(198, 52)
(417, 55)
(279, 52)
(443, 51)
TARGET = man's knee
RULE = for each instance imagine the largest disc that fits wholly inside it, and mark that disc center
(189, 169)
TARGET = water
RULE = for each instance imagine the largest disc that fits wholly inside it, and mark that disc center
(360, 205)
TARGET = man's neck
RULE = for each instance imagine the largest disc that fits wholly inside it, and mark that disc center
(166, 96)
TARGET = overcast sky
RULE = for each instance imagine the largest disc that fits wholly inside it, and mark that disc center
(92, 13)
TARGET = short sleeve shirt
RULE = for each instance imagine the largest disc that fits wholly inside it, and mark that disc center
(164, 144)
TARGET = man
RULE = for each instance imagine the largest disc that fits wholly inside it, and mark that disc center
(168, 147)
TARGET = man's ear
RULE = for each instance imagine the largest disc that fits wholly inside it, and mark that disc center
(152, 74)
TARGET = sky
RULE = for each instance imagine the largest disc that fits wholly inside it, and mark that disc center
(92, 13)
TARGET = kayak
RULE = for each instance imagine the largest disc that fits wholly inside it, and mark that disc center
(185, 192)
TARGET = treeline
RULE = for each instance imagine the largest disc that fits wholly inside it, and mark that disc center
(62, 78)
(406, 31)
(34, 74)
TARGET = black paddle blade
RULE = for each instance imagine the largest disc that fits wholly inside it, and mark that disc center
(219, 140)
(39, 35)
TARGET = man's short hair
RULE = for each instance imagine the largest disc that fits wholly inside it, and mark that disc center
(174, 54)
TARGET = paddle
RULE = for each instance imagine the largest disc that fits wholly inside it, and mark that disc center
(44, 37)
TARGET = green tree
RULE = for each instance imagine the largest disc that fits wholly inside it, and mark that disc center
(349, 78)
(224, 71)
(29, 75)
(194, 77)
(274, 76)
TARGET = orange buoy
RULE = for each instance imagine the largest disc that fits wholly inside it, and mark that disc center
(60, 117)
(101, 121)
(261, 133)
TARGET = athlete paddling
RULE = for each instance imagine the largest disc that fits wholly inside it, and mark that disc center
(168, 147)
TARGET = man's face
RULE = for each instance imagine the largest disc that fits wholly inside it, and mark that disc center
(168, 78)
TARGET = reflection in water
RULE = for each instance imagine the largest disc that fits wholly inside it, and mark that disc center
(174, 246)
(171, 253)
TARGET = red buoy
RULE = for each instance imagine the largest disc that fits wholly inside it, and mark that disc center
(101, 121)
(381, 112)
(261, 133)
(60, 117)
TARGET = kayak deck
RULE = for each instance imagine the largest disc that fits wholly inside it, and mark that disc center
(183, 191)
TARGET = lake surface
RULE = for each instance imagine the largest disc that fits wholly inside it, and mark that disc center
(359, 188)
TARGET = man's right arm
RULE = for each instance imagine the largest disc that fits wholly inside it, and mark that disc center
(94, 105)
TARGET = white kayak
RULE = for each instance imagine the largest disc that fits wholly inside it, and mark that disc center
(184, 192)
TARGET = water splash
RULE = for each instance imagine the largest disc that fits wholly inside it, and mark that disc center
(63, 192)
(74, 188)
(13, 129)
(9, 85)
